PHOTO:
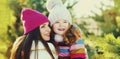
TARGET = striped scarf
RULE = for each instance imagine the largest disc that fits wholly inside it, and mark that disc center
(75, 51)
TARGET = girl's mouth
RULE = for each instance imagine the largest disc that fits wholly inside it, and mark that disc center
(61, 29)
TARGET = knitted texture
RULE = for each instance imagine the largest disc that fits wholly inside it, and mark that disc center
(75, 51)
(57, 11)
(32, 19)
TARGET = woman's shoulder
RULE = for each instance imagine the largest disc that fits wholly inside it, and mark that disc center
(16, 44)
(51, 46)
(18, 40)
(41, 46)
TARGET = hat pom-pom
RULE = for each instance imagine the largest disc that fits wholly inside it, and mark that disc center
(50, 4)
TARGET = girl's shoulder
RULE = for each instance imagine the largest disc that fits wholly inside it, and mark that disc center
(77, 30)
(79, 41)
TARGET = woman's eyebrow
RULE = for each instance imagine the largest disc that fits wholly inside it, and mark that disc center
(44, 24)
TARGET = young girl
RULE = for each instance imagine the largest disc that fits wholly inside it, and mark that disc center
(34, 43)
(67, 36)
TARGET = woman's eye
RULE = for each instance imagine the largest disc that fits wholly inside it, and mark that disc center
(43, 26)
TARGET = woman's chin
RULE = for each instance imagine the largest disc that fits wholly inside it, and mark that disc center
(47, 39)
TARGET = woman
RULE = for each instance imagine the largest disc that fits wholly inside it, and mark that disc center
(35, 43)
(67, 35)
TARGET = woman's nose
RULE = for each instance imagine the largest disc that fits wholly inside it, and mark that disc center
(48, 29)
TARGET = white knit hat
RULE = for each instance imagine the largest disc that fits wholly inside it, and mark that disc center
(58, 11)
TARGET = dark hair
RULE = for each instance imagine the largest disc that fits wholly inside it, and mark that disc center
(52, 40)
(23, 49)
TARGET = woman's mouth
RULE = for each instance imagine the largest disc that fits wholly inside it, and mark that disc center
(48, 34)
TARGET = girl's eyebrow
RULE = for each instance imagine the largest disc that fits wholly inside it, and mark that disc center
(65, 20)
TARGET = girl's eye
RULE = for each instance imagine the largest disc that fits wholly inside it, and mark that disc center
(65, 22)
(57, 22)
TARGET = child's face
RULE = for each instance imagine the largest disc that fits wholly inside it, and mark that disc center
(61, 26)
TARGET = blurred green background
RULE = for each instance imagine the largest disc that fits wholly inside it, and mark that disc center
(99, 21)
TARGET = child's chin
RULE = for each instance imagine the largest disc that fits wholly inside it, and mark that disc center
(60, 33)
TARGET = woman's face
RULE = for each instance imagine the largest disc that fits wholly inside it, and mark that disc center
(45, 31)
(61, 26)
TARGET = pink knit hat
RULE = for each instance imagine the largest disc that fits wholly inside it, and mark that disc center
(32, 19)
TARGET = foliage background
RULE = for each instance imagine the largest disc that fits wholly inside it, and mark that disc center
(102, 42)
